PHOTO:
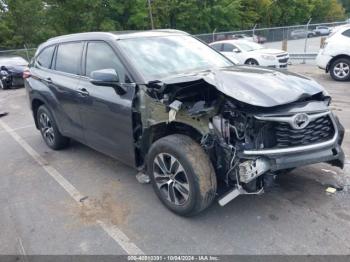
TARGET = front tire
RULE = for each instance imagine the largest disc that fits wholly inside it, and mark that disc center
(340, 69)
(251, 62)
(182, 175)
(49, 131)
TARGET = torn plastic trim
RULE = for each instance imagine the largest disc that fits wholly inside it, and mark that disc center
(235, 192)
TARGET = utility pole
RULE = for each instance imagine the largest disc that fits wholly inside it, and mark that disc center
(307, 35)
(150, 13)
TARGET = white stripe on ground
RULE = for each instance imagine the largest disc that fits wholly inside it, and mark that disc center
(18, 128)
(22, 250)
(112, 230)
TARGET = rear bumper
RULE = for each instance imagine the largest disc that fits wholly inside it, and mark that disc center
(322, 60)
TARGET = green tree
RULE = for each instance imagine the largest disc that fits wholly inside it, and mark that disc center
(346, 5)
(22, 22)
(197, 16)
(30, 22)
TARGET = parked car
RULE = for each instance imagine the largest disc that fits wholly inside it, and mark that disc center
(301, 33)
(11, 71)
(167, 104)
(254, 38)
(334, 56)
(322, 30)
(250, 53)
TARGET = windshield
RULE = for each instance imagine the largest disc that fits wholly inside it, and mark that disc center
(247, 46)
(12, 61)
(160, 57)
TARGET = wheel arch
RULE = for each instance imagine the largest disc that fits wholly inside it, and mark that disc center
(335, 58)
(251, 58)
(36, 102)
(160, 130)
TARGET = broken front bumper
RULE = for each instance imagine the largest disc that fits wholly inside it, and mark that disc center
(329, 151)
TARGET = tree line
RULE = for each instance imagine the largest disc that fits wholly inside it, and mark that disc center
(30, 22)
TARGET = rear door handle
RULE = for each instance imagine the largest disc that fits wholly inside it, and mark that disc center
(83, 91)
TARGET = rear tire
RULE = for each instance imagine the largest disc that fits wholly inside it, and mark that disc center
(340, 69)
(49, 131)
(182, 175)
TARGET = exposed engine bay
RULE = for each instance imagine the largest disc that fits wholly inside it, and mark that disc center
(247, 144)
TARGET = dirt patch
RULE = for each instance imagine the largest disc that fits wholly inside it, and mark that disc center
(105, 209)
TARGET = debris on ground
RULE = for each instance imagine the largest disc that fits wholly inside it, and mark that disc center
(331, 190)
(142, 178)
(3, 114)
(82, 199)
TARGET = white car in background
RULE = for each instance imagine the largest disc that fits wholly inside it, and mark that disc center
(251, 53)
(322, 30)
(255, 38)
(334, 56)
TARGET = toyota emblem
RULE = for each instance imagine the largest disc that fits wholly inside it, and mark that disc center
(300, 121)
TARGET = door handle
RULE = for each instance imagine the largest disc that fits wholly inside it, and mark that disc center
(83, 91)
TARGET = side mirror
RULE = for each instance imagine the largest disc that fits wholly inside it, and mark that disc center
(236, 50)
(107, 77)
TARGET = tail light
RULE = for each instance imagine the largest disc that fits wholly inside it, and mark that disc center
(26, 73)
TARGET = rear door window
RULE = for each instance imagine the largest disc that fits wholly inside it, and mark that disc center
(68, 58)
(44, 59)
(100, 56)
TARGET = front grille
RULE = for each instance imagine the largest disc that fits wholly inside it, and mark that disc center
(284, 60)
(17, 81)
(317, 131)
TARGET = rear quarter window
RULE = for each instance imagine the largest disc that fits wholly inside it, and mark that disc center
(217, 47)
(44, 59)
(68, 58)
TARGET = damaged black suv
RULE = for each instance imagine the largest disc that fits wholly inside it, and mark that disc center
(174, 108)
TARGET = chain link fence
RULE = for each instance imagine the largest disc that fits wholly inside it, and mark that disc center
(26, 53)
(301, 41)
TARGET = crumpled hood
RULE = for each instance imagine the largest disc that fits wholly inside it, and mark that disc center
(18, 69)
(255, 85)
